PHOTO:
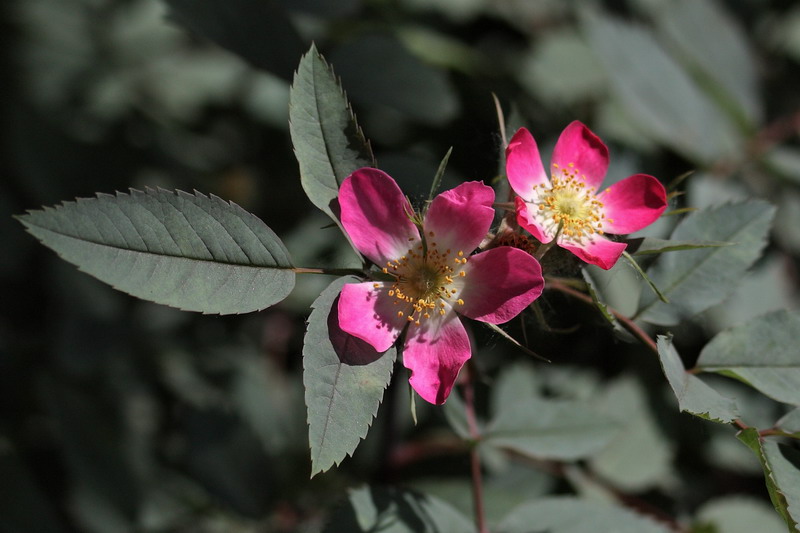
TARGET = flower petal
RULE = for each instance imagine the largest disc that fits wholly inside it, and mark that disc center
(600, 251)
(459, 218)
(369, 313)
(579, 147)
(524, 164)
(374, 214)
(526, 218)
(435, 352)
(499, 284)
(633, 203)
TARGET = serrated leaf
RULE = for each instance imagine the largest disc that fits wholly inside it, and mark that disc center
(566, 514)
(551, 429)
(762, 353)
(328, 143)
(259, 31)
(393, 510)
(345, 379)
(651, 245)
(189, 251)
(695, 280)
(781, 466)
(657, 93)
(694, 395)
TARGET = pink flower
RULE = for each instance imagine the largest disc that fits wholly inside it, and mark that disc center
(570, 200)
(428, 279)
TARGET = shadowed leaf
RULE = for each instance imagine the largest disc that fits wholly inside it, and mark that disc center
(345, 379)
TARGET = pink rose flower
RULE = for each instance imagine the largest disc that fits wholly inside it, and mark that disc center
(429, 279)
(570, 200)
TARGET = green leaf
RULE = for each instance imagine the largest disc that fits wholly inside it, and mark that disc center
(646, 278)
(393, 510)
(259, 31)
(695, 280)
(711, 42)
(651, 245)
(656, 92)
(328, 143)
(762, 353)
(344, 379)
(566, 514)
(781, 466)
(639, 457)
(694, 396)
(740, 514)
(790, 422)
(189, 251)
(551, 429)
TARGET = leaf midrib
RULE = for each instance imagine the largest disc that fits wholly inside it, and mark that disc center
(29, 226)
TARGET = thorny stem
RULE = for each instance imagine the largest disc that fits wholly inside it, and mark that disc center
(474, 457)
(626, 322)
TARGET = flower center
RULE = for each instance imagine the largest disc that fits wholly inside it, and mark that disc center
(427, 280)
(566, 202)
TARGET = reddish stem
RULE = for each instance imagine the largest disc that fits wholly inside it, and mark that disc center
(474, 457)
(626, 322)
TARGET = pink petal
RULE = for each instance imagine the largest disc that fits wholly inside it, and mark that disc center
(435, 352)
(578, 146)
(459, 218)
(524, 164)
(499, 284)
(633, 203)
(374, 214)
(527, 220)
(350, 349)
(370, 314)
(600, 251)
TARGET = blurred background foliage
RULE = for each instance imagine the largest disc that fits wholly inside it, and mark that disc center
(120, 415)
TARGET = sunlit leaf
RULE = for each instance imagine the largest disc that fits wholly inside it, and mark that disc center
(345, 379)
(564, 514)
(328, 143)
(694, 395)
(695, 280)
(392, 510)
(551, 429)
(762, 353)
(189, 251)
(259, 31)
(781, 464)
